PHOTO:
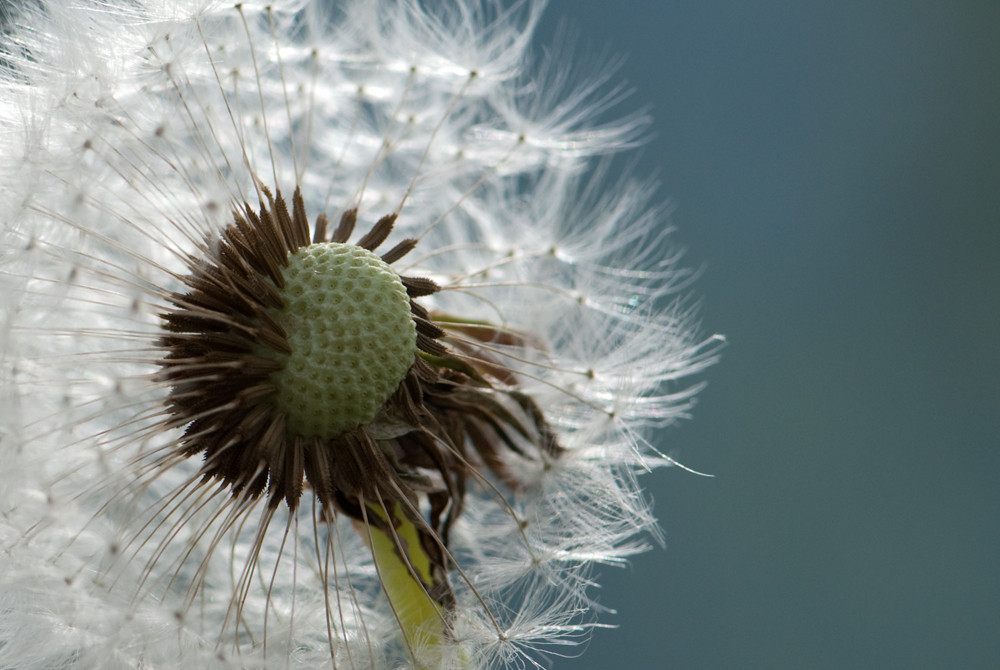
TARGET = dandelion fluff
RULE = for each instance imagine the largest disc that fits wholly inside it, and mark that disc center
(168, 498)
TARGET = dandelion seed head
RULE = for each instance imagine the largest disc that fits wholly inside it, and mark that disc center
(325, 338)
(351, 337)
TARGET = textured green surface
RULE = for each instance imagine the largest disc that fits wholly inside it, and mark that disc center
(347, 316)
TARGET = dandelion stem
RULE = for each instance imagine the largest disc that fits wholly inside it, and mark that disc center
(404, 569)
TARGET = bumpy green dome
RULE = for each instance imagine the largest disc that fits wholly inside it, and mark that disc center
(347, 317)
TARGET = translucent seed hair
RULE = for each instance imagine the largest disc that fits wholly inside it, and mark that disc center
(329, 337)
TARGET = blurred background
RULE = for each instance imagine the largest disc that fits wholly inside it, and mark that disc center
(835, 167)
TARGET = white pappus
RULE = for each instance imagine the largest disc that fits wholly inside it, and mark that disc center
(176, 177)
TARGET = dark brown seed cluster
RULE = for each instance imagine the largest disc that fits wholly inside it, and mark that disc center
(457, 415)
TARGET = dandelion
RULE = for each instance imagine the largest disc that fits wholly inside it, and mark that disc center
(325, 341)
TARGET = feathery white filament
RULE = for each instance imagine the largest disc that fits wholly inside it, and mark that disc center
(128, 133)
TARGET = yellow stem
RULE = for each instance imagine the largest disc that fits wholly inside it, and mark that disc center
(405, 584)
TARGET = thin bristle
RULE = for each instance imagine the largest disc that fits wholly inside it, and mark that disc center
(168, 168)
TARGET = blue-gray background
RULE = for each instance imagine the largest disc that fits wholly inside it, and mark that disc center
(836, 168)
